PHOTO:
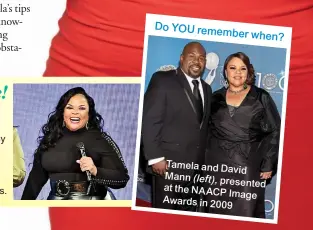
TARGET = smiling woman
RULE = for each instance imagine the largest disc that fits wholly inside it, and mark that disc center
(76, 113)
(245, 128)
(73, 127)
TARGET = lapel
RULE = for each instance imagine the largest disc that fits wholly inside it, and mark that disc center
(205, 100)
(180, 76)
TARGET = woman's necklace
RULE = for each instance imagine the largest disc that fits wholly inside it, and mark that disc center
(237, 91)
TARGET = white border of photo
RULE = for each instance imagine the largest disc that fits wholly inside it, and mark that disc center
(215, 31)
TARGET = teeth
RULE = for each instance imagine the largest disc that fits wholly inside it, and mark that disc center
(75, 119)
(195, 67)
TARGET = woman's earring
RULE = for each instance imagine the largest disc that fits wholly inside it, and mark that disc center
(87, 125)
(63, 124)
(245, 85)
(226, 85)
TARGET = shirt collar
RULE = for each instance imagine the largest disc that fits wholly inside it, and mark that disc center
(190, 79)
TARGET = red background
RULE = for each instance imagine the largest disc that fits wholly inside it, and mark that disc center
(295, 207)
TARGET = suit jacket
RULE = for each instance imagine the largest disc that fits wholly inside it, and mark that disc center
(170, 127)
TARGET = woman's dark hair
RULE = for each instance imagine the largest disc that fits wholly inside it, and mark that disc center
(53, 130)
(245, 59)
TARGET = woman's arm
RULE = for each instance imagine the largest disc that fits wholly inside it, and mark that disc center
(19, 171)
(38, 177)
(111, 171)
(271, 126)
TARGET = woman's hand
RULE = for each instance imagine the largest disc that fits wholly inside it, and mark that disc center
(86, 164)
(266, 175)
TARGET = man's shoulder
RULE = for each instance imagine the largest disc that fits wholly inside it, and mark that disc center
(163, 78)
(164, 75)
(205, 84)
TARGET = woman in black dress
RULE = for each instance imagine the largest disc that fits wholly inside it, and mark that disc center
(80, 159)
(243, 150)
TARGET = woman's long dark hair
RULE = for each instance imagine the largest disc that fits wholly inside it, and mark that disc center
(52, 131)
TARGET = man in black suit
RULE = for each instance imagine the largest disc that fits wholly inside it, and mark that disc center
(175, 129)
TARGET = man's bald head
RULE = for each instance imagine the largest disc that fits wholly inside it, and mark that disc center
(192, 45)
(193, 59)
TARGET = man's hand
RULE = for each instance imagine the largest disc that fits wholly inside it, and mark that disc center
(160, 167)
(266, 175)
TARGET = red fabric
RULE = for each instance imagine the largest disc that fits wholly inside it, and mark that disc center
(114, 48)
(142, 203)
(105, 38)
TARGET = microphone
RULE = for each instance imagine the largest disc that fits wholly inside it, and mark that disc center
(81, 147)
